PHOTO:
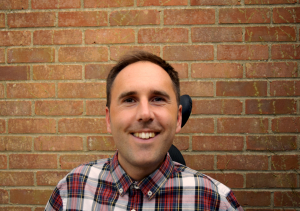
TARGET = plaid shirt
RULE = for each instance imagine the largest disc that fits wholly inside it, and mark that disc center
(104, 185)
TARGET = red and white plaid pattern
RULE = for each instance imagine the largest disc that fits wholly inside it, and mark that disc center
(104, 185)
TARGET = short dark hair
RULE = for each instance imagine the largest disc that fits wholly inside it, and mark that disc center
(137, 56)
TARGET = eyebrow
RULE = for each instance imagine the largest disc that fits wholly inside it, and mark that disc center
(154, 92)
(126, 94)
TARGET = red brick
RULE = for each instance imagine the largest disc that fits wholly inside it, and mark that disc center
(285, 51)
(270, 34)
(197, 88)
(253, 198)
(30, 55)
(199, 125)
(285, 162)
(216, 70)
(32, 161)
(217, 34)
(286, 15)
(15, 108)
(97, 71)
(244, 15)
(270, 2)
(2, 20)
(1, 91)
(218, 143)
(242, 125)
(29, 196)
(107, 3)
(15, 143)
(3, 165)
(2, 55)
(30, 19)
(10, 73)
(16, 208)
(181, 142)
(282, 88)
(2, 126)
(4, 198)
(13, 38)
(143, 3)
(271, 143)
(117, 51)
(43, 37)
(72, 161)
(57, 37)
(231, 180)
(95, 107)
(188, 52)
(189, 16)
(242, 52)
(55, 4)
(286, 125)
(134, 17)
(242, 162)
(271, 70)
(163, 35)
(215, 2)
(225, 106)
(181, 68)
(14, 5)
(58, 143)
(83, 54)
(271, 106)
(81, 90)
(271, 180)
(199, 162)
(287, 199)
(57, 72)
(11, 178)
(30, 90)
(242, 88)
(82, 18)
(49, 178)
(86, 125)
(57, 108)
(31, 126)
(101, 143)
(101, 36)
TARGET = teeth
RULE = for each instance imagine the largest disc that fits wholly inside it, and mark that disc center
(144, 135)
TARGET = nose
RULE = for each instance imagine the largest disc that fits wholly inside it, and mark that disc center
(144, 111)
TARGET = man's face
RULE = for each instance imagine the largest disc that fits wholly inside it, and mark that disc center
(143, 116)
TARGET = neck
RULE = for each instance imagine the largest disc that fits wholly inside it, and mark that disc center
(138, 173)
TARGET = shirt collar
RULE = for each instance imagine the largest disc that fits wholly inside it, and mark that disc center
(150, 185)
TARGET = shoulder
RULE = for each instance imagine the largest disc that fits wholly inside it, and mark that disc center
(193, 179)
(90, 170)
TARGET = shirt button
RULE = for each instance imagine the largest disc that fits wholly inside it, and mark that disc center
(121, 190)
(133, 210)
(149, 193)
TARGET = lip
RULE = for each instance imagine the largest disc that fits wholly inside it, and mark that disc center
(144, 139)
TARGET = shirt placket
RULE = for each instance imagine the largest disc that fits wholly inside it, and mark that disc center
(135, 198)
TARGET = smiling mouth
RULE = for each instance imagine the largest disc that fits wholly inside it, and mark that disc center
(144, 135)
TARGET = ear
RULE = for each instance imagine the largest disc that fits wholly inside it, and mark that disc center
(107, 118)
(179, 119)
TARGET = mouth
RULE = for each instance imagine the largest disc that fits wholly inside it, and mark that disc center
(145, 135)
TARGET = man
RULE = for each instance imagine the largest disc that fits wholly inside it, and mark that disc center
(143, 114)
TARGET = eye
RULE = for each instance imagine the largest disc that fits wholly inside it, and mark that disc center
(129, 100)
(158, 99)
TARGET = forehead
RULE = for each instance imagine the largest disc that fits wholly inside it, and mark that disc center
(141, 75)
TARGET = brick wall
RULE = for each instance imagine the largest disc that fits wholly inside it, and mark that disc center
(238, 59)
